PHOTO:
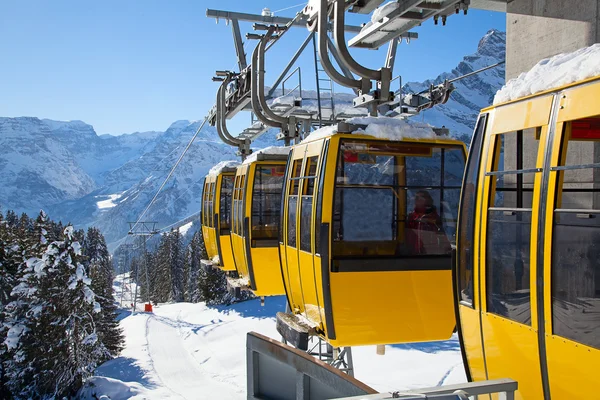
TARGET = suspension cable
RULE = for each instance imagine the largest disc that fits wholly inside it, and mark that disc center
(170, 174)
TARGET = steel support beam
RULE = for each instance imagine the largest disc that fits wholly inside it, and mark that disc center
(300, 22)
(239, 44)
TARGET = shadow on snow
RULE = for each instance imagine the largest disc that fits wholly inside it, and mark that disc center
(124, 369)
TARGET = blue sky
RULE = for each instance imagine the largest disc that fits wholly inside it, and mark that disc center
(126, 66)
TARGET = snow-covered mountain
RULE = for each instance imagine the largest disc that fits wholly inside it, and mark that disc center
(107, 181)
(473, 93)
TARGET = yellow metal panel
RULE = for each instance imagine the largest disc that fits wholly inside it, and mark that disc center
(209, 241)
(580, 102)
(392, 307)
(227, 263)
(511, 351)
(239, 255)
(522, 115)
(572, 369)
(473, 347)
(267, 271)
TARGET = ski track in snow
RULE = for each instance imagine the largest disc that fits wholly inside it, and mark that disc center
(189, 380)
(195, 351)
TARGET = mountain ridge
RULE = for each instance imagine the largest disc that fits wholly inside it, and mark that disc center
(79, 176)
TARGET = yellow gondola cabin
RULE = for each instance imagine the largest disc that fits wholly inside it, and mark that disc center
(216, 214)
(255, 215)
(528, 251)
(368, 224)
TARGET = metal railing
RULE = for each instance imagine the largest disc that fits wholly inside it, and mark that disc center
(298, 86)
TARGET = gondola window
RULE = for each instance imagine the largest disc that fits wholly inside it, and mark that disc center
(293, 202)
(395, 199)
(225, 204)
(509, 225)
(266, 201)
(308, 188)
(575, 280)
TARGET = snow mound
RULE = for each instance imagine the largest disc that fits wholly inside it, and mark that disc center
(384, 11)
(553, 72)
(271, 150)
(103, 388)
(216, 170)
(382, 128)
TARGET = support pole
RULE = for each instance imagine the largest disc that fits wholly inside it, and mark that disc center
(239, 44)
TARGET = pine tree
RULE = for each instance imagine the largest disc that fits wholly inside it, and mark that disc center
(193, 265)
(160, 272)
(177, 265)
(8, 275)
(51, 326)
(102, 275)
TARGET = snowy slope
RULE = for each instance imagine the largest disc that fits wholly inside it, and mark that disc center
(192, 351)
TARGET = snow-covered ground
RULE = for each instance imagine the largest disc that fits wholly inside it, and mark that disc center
(194, 351)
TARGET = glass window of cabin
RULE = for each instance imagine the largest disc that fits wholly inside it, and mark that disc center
(308, 188)
(203, 204)
(240, 206)
(266, 201)
(392, 199)
(211, 196)
(575, 278)
(293, 202)
(466, 230)
(282, 202)
(319, 208)
(225, 204)
(234, 201)
(509, 225)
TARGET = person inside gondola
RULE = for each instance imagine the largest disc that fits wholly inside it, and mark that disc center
(425, 233)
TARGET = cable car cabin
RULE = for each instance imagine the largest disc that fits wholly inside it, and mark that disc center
(216, 214)
(528, 251)
(367, 230)
(255, 217)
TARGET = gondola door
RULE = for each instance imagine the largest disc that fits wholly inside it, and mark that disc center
(508, 251)
(290, 232)
(306, 229)
(572, 247)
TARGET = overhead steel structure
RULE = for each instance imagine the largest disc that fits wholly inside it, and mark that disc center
(245, 90)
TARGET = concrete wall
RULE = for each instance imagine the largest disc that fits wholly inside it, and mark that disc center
(537, 29)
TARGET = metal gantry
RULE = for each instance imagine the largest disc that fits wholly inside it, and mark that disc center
(144, 229)
(245, 90)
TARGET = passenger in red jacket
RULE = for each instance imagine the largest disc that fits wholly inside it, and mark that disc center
(425, 233)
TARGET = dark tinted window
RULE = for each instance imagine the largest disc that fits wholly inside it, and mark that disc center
(466, 229)
(308, 188)
(509, 225)
(225, 204)
(392, 199)
(266, 201)
(576, 236)
(294, 182)
(319, 210)
(292, 205)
